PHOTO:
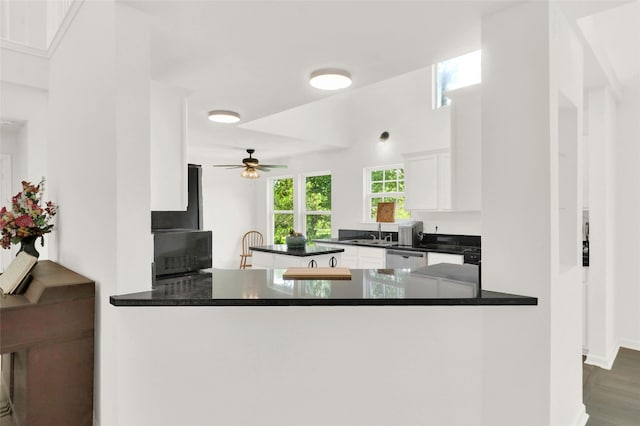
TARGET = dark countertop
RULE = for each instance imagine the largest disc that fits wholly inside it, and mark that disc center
(441, 284)
(436, 248)
(302, 251)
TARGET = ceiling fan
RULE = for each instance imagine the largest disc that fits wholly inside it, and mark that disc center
(251, 166)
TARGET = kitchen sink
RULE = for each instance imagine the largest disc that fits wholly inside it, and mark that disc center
(372, 242)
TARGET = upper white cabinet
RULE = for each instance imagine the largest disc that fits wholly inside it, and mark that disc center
(466, 148)
(450, 178)
(427, 177)
(168, 132)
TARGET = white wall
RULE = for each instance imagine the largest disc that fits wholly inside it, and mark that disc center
(298, 366)
(27, 145)
(602, 245)
(228, 211)
(627, 226)
(523, 77)
(99, 158)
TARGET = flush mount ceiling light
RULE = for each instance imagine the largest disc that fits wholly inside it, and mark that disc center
(222, 116)
(330, 79)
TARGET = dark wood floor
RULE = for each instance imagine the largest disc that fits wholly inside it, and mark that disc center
(612, 397)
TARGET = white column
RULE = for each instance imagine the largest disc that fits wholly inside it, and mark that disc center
(531, 116)
(99, 168)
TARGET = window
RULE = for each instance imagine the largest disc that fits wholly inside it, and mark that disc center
(455, 73)
(312, 217)
(318, 206)
(283, 212)
(384, 184)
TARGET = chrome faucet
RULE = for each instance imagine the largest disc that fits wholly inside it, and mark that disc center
(373, 237)
(390, 238)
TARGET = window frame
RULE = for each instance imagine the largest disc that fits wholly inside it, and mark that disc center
(367, 195)
(299, 211)
(303, 200)
(271, 211)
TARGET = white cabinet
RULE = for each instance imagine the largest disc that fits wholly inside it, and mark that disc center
(371, 258)
(264, 260)
(466, 148)
(433, 258)
(359, 257)
(168, 141)
(450, 178)
(427, 180)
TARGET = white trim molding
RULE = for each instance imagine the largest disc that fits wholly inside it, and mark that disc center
(23, 48)
(630, 344)
(605, 362)
(64, 26)
(583, 417)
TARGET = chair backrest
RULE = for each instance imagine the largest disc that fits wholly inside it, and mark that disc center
(251, 238)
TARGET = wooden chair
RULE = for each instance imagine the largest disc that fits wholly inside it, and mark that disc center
(250, 238)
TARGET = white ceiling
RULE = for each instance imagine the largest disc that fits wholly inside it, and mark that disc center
(255, 57)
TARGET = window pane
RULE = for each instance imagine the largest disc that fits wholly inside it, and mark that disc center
(376, 187)
(318, 193)
(457, 72)
(400, 174)
(374, 207)
(282, 224)
(391, 186)
(390, 174)
(283, 194)
(318, 226)
(377, 175)
(401, 186)
(401, 213)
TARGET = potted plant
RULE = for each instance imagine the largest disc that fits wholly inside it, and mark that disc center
(295, 239)
(27, 219)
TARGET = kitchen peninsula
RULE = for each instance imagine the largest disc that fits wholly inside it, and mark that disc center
(441, 284)
(255, 338)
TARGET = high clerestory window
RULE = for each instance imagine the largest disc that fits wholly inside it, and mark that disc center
(455, 73)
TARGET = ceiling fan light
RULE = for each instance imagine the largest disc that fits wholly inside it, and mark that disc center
(330, 79)
(222, 116)
(250, 173)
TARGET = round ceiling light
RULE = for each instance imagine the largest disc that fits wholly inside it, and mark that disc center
(330, 79)
(221, 116)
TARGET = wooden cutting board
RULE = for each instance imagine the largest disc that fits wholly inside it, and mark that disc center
(317, 273)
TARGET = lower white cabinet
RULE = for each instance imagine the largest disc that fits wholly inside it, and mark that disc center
(263, 260)
(358, 257)
(433, 258)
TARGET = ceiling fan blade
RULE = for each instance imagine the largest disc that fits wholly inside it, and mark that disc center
(229, 166)
(273, 166)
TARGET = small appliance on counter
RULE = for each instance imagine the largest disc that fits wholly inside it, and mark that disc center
(409, 233)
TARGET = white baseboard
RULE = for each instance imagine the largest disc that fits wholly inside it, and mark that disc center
(630, 344)
(605, 362)
(582, 417)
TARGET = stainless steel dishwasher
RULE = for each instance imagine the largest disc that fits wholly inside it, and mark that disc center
(405, 259)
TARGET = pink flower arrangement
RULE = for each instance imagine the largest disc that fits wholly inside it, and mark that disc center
(28, 216)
